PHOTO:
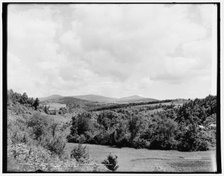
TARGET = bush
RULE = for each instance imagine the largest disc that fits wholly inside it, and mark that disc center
(22, 157)
(73, 138)
(38, 124)
(140, 143)
(54, 144)
(79, 153)
(104, 138)
(111, 162)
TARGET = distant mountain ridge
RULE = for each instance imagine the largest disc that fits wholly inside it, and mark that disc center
(135, 98)
(100, 99)
(52, 97)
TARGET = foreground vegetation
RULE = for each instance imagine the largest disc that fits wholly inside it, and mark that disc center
(37, 140)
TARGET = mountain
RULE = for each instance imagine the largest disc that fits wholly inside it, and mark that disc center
(52, 97)
(103, 99)
(135, 98)
(91, 98)
(98, 98)
(69, 101)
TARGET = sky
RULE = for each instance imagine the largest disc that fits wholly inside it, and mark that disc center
(158, 51)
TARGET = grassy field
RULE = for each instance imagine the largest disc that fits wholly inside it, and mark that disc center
(143, 160)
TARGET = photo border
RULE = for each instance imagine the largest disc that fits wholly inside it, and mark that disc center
(4, 85)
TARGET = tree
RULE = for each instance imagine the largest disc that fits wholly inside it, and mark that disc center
(134, 126)
(161, 132)
(46, 109)
(24, 98)
(80, 125)
(80, 153)
(107, 119)
(36, 103)
(111, 162)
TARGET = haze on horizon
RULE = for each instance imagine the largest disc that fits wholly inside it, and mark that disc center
(155, 51)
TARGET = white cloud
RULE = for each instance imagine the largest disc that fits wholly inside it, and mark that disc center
(113, 50)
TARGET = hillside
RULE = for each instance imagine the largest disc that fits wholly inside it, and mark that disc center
(97, 102)
(52, 97)
(71, 102)
(36, 141)
(96, 99)
(135, 99)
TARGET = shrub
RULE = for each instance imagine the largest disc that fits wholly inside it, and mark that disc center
(73, 138)
(38, 124)
(104, 138)
(79, 153)
(140, 143)
(111, 162)
(54, 144)
(27, 158)
(17, 130)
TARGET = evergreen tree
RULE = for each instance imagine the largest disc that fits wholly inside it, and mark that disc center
(36, 103)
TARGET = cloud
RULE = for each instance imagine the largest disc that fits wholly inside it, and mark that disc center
(113, 50)
(148, 33)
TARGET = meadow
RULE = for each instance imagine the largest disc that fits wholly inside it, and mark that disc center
(143, 160)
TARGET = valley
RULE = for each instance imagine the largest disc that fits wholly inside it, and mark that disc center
(142, 136)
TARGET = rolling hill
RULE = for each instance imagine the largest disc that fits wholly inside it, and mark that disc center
(135, 99)
(69, 101)
(96, 99)
(52, 97)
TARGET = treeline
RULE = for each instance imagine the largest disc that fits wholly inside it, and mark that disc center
(116, 106)
(183, 128)
(14, 97)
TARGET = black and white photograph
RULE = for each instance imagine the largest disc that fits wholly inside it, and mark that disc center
(111, 87)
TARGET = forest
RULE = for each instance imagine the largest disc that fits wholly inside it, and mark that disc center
(184, 128)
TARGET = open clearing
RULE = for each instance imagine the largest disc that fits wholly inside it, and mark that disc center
(144, 160)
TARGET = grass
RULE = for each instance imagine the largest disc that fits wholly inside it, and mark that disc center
(143, 160)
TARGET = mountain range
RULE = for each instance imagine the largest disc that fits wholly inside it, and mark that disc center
(98, 98)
